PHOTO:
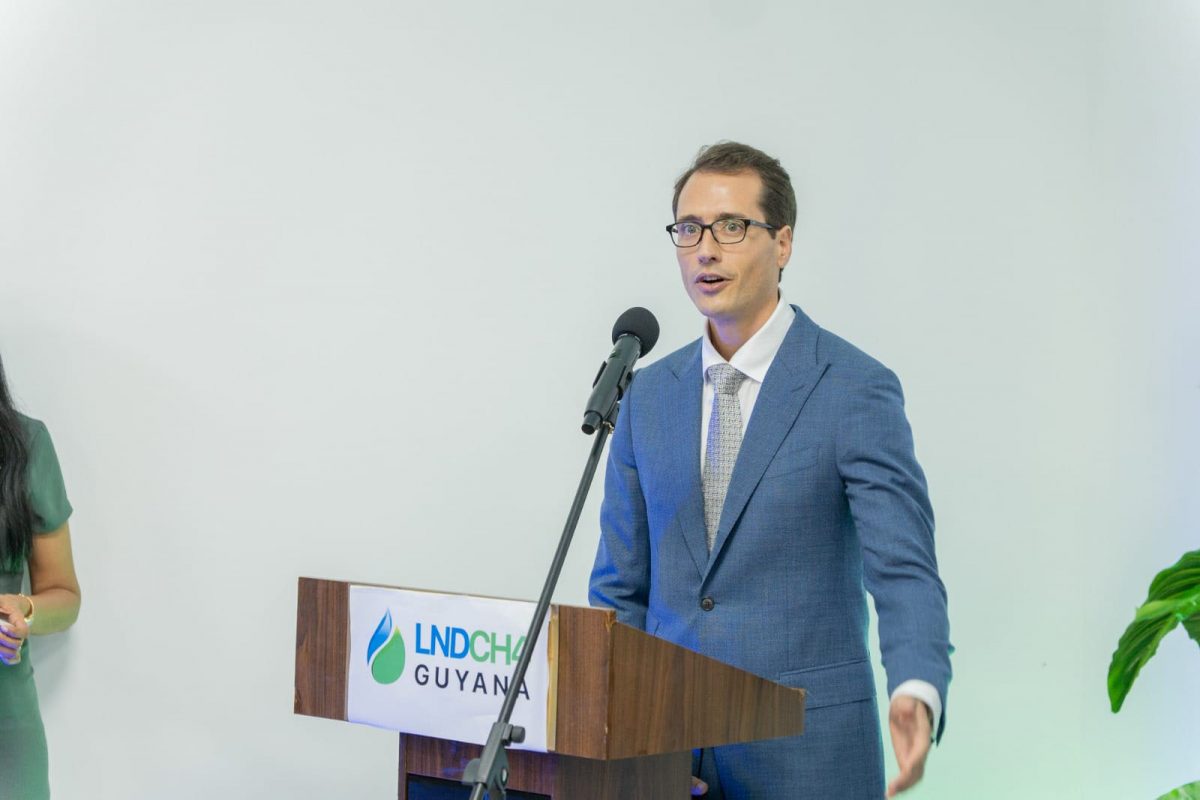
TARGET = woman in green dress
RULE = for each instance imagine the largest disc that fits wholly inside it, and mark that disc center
(33, 535)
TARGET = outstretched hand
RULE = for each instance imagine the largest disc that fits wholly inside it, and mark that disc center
(911, 728)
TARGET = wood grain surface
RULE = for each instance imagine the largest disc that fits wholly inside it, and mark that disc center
(661, 777)
(624, 693)
(322, 648)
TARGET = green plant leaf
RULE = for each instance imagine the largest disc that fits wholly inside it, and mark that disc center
(1192, 626)
(1189, 792)
(1180, 607)
(1174, 597)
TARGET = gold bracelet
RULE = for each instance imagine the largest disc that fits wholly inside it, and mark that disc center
(29, 616)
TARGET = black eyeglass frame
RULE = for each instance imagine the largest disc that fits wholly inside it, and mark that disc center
(749, 223)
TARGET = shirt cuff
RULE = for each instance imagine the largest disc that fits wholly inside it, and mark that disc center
(926, 693)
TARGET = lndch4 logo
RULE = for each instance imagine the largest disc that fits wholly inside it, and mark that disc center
(385, 651)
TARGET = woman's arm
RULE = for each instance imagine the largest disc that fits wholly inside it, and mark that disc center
(53, 586)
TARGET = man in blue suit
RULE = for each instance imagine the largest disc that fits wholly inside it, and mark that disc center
(758, 480)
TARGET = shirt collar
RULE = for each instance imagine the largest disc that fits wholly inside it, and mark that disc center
(754, 358)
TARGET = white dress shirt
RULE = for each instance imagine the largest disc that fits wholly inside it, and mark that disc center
(753, 359)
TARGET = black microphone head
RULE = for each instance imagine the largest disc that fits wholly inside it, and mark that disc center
(640, 323)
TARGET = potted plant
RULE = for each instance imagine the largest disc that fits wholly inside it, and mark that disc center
(1174, 598)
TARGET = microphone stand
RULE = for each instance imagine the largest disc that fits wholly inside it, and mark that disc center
(489, 772)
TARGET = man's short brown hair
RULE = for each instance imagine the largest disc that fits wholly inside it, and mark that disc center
(778, 199)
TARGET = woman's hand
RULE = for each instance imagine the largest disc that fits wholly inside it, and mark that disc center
(13, 629)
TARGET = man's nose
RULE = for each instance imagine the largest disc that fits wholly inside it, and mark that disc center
(707, 250)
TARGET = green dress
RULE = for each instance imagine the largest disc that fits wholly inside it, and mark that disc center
(23, 763)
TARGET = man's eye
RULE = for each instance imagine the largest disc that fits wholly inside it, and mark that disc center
(731, 225)
(687, 229)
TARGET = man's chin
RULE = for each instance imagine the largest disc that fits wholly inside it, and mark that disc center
(717, 320)
(714, 308)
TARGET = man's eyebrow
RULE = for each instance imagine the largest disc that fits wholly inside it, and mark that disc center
(720, 215)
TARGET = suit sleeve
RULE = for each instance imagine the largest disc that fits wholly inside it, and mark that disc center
(889, 502)
(621, 574)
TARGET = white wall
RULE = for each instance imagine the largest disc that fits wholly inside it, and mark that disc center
(318, 289)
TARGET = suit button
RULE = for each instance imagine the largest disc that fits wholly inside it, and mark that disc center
(707, 604)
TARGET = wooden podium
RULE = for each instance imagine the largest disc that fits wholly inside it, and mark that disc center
(626, 708)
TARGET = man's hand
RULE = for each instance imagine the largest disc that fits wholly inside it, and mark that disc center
(699, 787)
(909, 720)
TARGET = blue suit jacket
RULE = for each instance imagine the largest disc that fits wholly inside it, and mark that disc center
(826, 498)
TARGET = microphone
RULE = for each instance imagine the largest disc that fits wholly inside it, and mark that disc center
(634, 334)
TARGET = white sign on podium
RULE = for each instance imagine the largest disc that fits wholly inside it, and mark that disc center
(438, 665)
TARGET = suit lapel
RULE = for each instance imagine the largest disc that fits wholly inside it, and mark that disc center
(790, 380)
(681, 415)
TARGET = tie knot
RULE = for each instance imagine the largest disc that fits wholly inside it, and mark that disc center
(725, 379)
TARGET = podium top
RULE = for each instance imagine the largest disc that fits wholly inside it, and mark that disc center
(615, 691)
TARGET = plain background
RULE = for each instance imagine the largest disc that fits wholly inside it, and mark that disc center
(319, 289)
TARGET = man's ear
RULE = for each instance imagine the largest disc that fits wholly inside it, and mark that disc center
(783, 243)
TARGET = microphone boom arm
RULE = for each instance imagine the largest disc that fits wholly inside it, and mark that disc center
(489, 772)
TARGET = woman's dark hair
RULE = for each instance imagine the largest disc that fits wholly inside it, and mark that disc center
(16, 510)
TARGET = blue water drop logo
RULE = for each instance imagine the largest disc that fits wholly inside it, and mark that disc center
(385, 651)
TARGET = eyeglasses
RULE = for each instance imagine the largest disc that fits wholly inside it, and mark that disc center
(730, 230)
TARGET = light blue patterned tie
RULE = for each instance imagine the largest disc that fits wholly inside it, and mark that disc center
(724, 439)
